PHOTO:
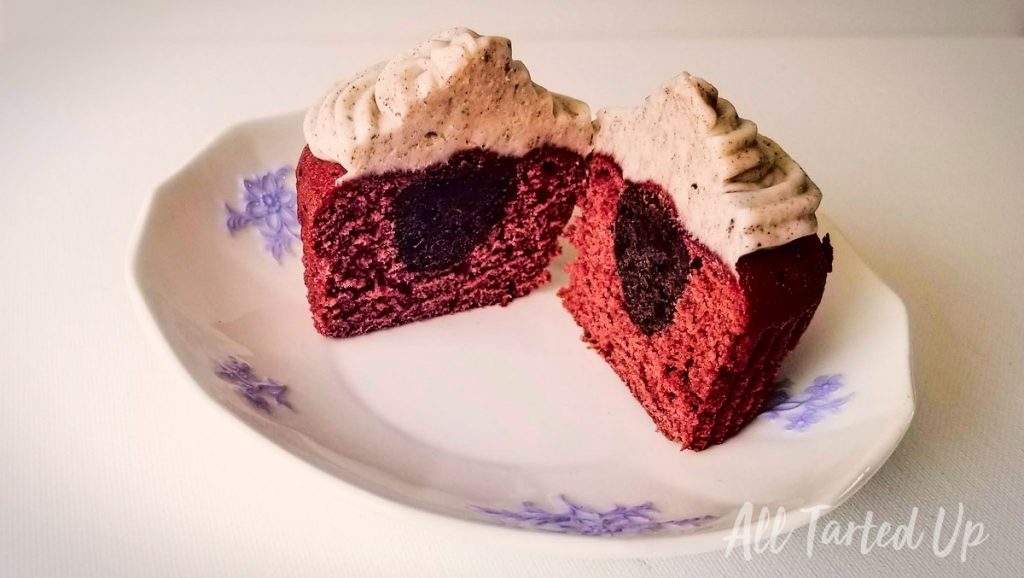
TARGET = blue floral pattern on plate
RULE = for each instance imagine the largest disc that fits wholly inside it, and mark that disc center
(259, 391)
(270, 206)
(574, 518)
(816, 402)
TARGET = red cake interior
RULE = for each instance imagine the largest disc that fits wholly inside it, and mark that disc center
(389, 249)
(697, 343)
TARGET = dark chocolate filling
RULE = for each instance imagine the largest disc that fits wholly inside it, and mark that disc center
(651, 257)
(450, 208)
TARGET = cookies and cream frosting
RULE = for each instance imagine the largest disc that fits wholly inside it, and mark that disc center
(736, 191)
(456, 91)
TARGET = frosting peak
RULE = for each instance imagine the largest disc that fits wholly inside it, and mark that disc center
(456, 91)
(736, 191)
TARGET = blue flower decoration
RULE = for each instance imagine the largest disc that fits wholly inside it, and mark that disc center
(270, 206)
(258, 391)
(818, 401)
(585, 521)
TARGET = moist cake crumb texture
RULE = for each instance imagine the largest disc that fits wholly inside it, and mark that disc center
(702, 368)
(385, 250)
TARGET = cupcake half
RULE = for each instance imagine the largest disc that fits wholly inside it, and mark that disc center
(699, 265)
(433, 183)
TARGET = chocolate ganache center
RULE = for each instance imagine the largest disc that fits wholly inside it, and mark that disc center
(450, 208)
(651, 257)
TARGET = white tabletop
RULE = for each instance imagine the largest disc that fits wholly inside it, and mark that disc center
(110, 465)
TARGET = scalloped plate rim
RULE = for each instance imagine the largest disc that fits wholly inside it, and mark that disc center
(473, 530)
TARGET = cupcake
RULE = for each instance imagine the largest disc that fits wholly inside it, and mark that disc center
(436, 182)
(699, 263)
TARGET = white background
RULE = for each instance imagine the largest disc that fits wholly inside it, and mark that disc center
(111, 466)
(346, 20)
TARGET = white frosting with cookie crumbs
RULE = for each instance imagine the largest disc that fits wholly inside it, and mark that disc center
(736, 191)
(456, 91)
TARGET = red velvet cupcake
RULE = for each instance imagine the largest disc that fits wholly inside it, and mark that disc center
(699, 265)
(433, 183)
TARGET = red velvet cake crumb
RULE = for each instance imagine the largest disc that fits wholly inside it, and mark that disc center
(702, 365)
(389, 249)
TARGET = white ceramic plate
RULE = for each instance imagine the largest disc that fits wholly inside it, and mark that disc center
(496, 422)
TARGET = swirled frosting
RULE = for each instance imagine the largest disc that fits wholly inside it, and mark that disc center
(456, 91)
(736, 191)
